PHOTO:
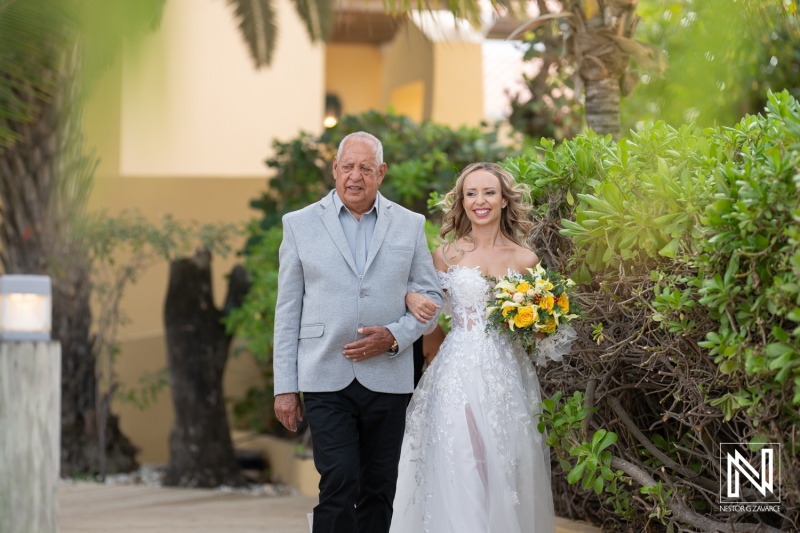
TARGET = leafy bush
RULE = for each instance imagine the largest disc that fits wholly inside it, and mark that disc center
(686, 242)
(723, 56)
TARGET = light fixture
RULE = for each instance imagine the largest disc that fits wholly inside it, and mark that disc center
(26, 308)
(333, 110)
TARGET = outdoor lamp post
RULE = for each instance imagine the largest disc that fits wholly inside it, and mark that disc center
(333, 110)
(30, 406)
(26, 308)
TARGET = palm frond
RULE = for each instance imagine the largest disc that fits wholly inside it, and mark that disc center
(105, 26)
(538, 21)
(258, 23)
(317, 15)
(31, 34)
(35, 35)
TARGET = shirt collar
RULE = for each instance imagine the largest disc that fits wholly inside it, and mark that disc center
(338, 204)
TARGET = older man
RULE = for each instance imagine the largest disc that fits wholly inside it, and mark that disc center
(344, 338)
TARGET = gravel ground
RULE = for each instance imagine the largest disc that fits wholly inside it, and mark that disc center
(152, 475)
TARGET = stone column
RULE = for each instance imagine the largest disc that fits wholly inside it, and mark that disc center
(30, 442)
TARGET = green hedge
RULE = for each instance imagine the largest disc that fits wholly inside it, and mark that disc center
(686, 242)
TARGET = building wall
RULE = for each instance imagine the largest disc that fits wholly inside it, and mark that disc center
(408, 62)
(437, 76)
(354, 72)
(457, 98)
(193, 105)
(182, 126)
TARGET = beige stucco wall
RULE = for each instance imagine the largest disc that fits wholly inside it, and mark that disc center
(354, 72)
(457, 96)
(408, 59)
(424, 74)
(430, 78)
(182, 125)
(193, 105)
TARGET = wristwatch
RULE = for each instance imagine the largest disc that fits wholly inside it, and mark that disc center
(395, 348)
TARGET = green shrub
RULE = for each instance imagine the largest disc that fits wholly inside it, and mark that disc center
(686, 243)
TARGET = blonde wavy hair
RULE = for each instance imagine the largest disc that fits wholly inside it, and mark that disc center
(515, 223)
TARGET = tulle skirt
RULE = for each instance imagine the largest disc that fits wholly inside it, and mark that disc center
(472, 459)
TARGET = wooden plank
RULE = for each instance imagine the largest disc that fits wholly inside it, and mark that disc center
(30, 440)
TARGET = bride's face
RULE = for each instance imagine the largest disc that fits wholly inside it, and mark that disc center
(483, 198)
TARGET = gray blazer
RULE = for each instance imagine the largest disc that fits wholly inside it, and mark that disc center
(322, 301)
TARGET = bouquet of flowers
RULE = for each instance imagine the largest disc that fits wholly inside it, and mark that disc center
(524, 305)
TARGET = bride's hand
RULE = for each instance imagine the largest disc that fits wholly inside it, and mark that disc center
(422, 307)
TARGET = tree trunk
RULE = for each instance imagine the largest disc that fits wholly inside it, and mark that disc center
(200, 447)
(80, 440)
(34, 240)
(602, 106)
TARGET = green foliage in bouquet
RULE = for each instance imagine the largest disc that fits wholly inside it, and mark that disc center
(524, 305)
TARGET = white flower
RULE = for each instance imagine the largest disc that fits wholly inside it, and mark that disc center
(531, 293)
(506, 285)
(518, 297)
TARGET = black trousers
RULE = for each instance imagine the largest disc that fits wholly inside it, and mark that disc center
(419, 361)
(356, 434)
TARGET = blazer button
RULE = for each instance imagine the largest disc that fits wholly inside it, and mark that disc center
(362, 294)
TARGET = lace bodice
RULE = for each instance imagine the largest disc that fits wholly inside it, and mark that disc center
(466, 296)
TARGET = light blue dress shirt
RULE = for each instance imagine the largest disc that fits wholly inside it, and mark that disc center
(357, 232)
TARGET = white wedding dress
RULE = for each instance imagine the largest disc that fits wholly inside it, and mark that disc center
(472, 459)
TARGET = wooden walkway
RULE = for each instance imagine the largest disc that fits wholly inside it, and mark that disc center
(95, 508)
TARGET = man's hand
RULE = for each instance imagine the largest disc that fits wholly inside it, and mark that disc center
(288, 410)
(378, 340)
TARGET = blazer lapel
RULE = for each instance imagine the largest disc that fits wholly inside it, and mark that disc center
(331, 220)
(381, 227)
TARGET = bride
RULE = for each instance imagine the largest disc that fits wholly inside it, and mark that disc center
(472, 459)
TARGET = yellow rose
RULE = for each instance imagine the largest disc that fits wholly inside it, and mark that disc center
(525, 317)
(563, 302)
(506, 310)
(544, 285)
(550, 327)
(523, 287)
(547, 302)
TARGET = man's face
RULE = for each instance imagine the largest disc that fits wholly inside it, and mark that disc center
(357, 175)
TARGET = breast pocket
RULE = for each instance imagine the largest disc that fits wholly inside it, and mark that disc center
(396, 260)
(311, 331)
(399, 248)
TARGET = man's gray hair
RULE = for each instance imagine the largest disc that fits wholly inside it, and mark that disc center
(363, 136)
